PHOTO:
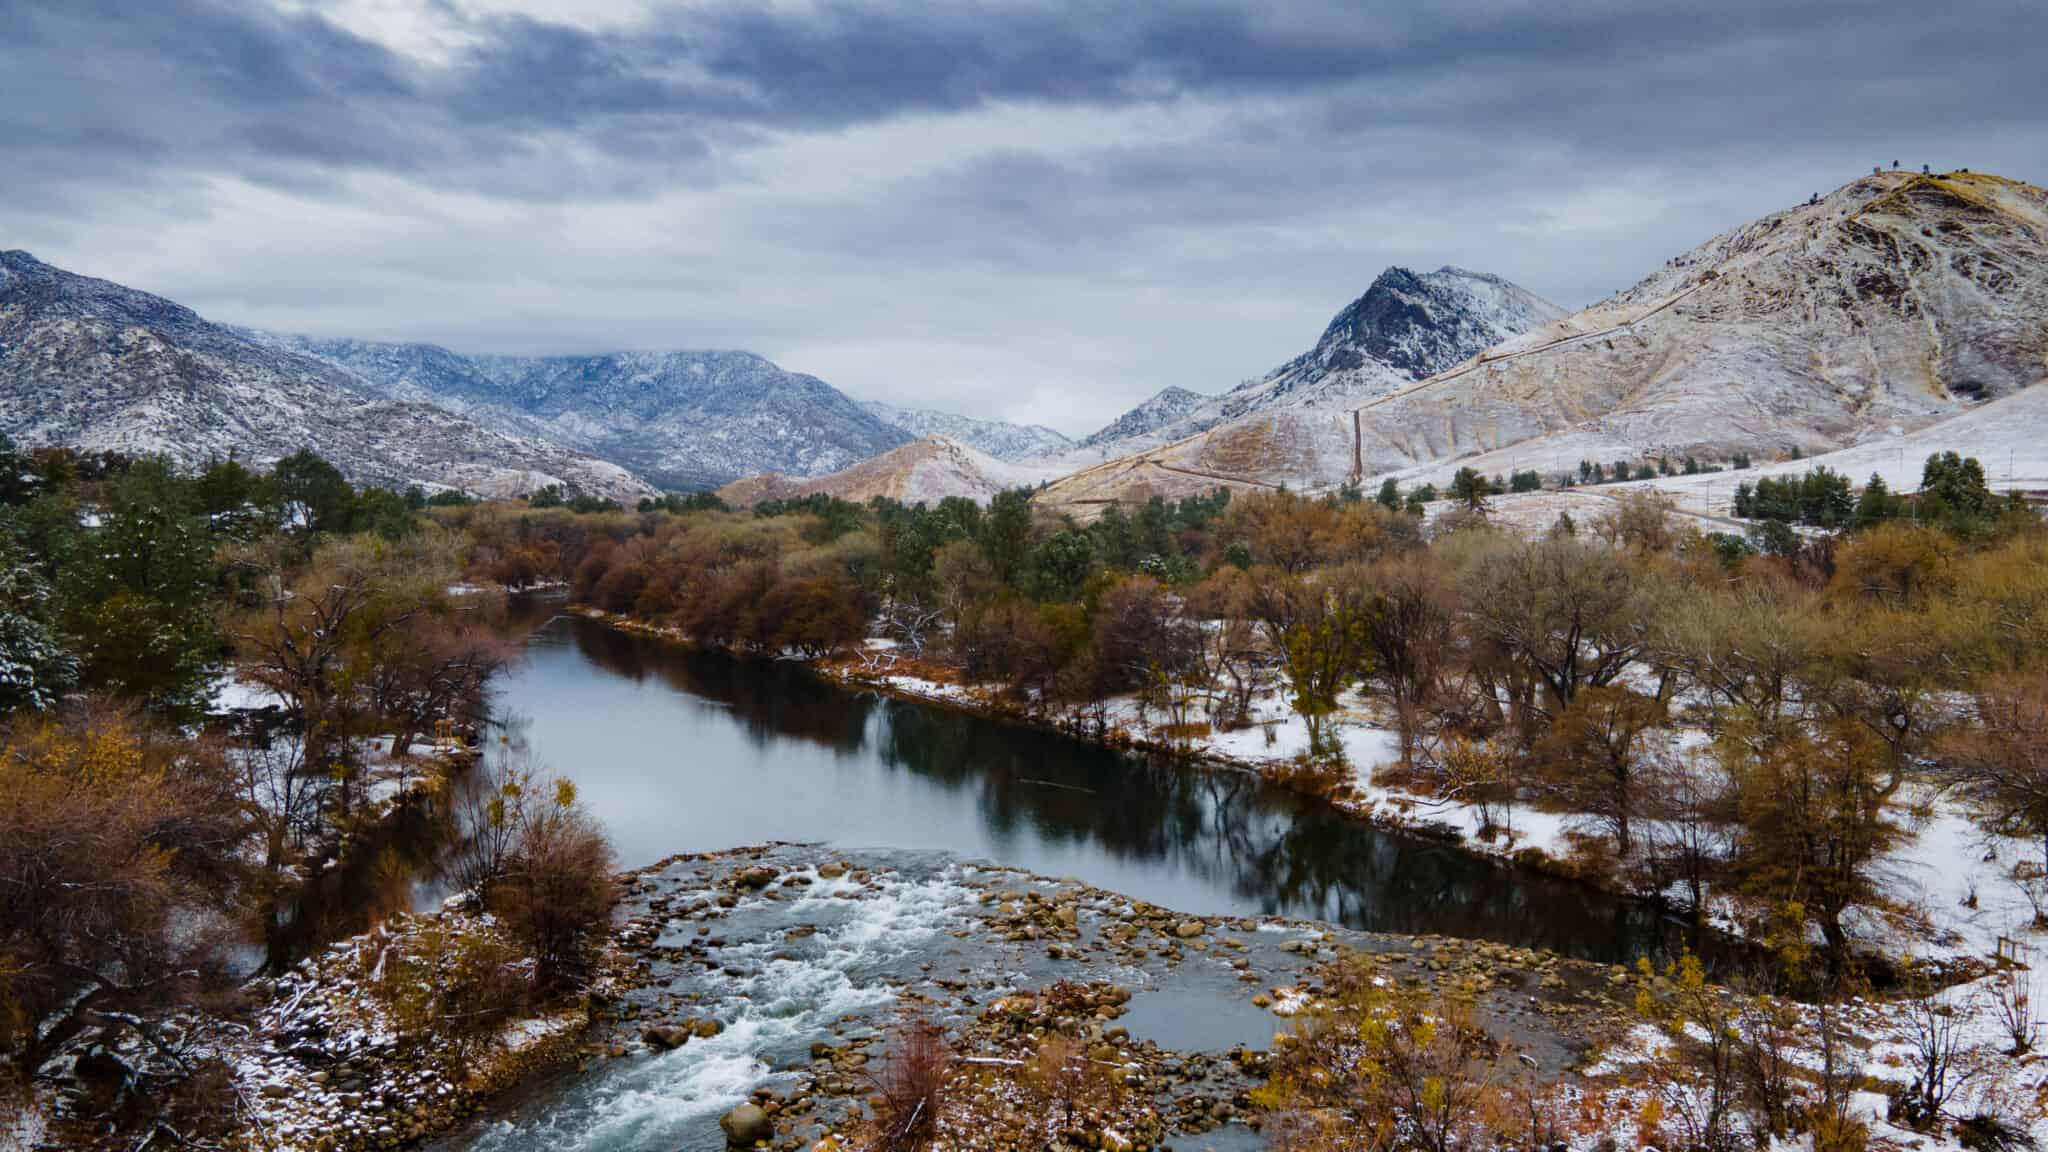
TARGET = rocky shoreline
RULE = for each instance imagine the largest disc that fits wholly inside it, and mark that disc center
(1177, 1012)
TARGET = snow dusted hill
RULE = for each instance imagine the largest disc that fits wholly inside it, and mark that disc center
(922, 471)
(90, 363)
(1163, 410)
(998, 438)
(1893, 303)
(688, 419)
(1406, 326)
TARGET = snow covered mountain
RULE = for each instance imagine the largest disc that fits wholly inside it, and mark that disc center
(998, 438)
(923, 471)
(1894, 303)
(1164, 409)
(93, 364)
(691, 419)
(1405, 327)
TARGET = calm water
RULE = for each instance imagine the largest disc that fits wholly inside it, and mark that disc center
(677, 750)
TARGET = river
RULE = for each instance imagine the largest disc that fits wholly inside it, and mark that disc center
(678, 750)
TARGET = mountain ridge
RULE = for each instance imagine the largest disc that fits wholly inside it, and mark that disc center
(1894, 302)
(684, 419)
(100, 365)
(1403, 327)
(998, 438)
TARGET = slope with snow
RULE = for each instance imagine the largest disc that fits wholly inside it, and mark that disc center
(1404, 327)
(998, 438)
(96, 365)
(685, 419)
(1891, 304)
(922, 471)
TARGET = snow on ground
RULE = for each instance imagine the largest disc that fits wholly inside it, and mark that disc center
(1960, 878)
(2004, 435)
(231, 693)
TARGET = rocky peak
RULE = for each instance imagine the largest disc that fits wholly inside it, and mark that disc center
(1162, 409)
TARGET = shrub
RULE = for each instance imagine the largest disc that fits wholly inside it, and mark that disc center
(556, 883)
(910, 1090)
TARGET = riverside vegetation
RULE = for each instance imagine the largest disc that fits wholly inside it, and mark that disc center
(1744, 723)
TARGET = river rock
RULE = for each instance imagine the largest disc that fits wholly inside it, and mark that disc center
(1189, 929)
(746, 1126)
(756, 877)
(665, 1037)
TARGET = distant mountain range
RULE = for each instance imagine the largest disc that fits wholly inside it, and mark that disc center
(90, 363)
(1895, 303)
(679, 419)
(998, 438)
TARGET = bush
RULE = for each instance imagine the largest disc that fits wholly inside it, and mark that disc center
(552, 883)
(910, 1091)
(449, 987)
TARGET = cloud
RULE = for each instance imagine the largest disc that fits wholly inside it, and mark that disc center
(1031, 209)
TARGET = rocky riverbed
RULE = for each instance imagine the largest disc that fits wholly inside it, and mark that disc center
(773, 980)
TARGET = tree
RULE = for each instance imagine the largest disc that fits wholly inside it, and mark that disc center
(1471, 489)
(1324, 650)
(1595, 756)
(312, 495)
(36, 668)
(1815, 818)
(1062, 564)
(117, 850)
(1005, 534)
(1640, 520)
(1412, 633)
(138, 593)
(2000, 764)
(1875, 504)
(1575, 612)
(1389, 495)
(556, 888)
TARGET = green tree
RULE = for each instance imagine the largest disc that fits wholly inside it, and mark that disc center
(312, 494)
(1005, 535)
(1062, 564)
(1471, 489)
(138, 592)
(1323, 652)
(36, 669)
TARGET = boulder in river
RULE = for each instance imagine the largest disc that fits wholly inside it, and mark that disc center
(746, 1126)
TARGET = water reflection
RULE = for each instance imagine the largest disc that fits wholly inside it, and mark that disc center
(679, 750)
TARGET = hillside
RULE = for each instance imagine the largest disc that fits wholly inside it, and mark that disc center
(923, 471)
(998, 438)
(97, 365)
(1894, 302)
(686, 419)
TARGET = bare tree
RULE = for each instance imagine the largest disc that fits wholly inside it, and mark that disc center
(1935, 1031)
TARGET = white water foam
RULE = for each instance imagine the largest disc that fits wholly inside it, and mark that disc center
(659, 1101)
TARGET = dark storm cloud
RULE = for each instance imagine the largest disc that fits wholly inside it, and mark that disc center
(100, 87)
(1252, 161)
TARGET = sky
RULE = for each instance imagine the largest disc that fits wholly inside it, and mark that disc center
(1038, 211)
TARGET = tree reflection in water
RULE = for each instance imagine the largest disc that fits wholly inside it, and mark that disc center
(1214, 840)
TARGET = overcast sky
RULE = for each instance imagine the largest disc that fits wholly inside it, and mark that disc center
(1038, 211)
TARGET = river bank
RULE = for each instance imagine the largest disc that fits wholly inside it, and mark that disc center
(781, 977)
(768, 991)
(1950, 896)
(1270, 747)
